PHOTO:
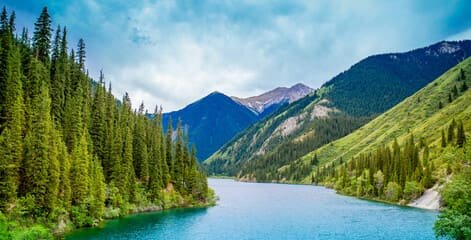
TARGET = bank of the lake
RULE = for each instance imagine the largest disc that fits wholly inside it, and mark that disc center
(273, 211)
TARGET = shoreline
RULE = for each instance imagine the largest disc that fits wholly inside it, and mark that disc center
(422, 202)
(141, 210)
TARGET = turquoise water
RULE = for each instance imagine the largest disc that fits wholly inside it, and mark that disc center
(273, 211)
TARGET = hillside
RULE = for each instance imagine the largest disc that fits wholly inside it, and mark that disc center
(423, 115)
(212, 121)
(215, 119)
(340, 106)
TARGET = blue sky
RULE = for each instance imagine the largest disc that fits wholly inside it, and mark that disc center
(171, 53)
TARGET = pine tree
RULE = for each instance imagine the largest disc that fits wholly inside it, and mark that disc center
(464, 87)
(64, 192)
(98, 123)
(460, 136)
(79, 172)
(81, 54)
(54, 169)
(97, 189)
(454, 90)
(170, 150)
(443, 139)
(38, 145)
(178, 166)
(451, 131)
(5, 62)
(140, 152)
(11, 143)
(42, 37)
(58, 78)
(155, 171)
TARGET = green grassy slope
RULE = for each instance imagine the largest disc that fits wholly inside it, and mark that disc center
(353, 97)
(419, 114)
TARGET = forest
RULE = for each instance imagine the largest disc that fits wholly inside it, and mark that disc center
(72, 153)
(402, 173)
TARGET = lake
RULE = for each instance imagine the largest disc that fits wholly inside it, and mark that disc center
(273, 211)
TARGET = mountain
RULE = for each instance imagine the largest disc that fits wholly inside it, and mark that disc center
(215, 119)
(340, 106)
(268, 102)
(212, 121)
(423, 115)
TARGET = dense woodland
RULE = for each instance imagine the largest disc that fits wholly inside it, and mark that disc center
(395, 173)
(71, 153)
(391, 173)
(320, 131)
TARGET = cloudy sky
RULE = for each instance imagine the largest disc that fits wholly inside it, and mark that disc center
(171, 53)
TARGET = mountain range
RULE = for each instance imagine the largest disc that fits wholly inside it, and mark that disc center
(424, 115)
(216, 118)
(340, 106)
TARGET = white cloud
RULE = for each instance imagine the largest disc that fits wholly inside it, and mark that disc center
(171, 53)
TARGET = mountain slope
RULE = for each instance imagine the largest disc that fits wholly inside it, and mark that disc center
(212, 121)
(343, 104)
(216, 118)
(423, 115)
(268, 102)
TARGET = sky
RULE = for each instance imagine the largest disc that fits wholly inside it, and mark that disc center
(171, 53)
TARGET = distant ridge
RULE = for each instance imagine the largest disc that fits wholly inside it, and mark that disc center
(277, 97)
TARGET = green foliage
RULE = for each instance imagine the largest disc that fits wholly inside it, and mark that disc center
(455, 220)
(412, 190)
(71, 153)
(367, 89)
(393, 192)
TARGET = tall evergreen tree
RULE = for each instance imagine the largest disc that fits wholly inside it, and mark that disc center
(170, 150)
(42, 37)
(460, 136)
(81, 54)
(98, 123)
(443, 139)
(38, 149)
(140, 151)
(79, 173)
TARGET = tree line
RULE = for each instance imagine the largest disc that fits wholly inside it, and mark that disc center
(392, 172)
(70, 151)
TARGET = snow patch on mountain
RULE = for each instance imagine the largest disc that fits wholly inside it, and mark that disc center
(279, 95)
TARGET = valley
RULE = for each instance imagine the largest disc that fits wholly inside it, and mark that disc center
(235, 120)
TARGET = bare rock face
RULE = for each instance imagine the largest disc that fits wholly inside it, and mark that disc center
(280, 95)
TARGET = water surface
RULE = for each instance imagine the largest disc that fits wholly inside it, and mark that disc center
(273, 211)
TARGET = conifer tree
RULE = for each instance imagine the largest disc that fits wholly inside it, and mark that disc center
(454, 90)
(79, 172)
(170, 150)
(58, 78)
(451, 131)
(155, 172)
(64, 191)
(42, 37)
(39, 153)
(13, 125)
(140, 151)
(81, 54)
(460, 136)
(98, 123)
(178, 166)
(464, 87)
(443, 139)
